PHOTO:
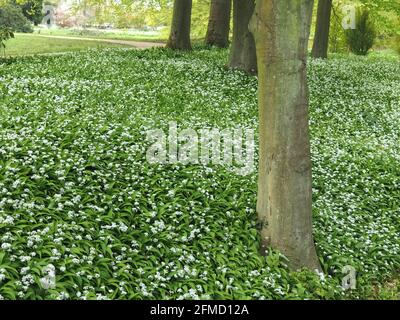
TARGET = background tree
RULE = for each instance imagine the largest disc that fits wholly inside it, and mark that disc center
(219, 23)
(281, 30)
(32, 10)
(384, 13)
(11, 17)
(321, 38)
(243, 50)
(179, 37)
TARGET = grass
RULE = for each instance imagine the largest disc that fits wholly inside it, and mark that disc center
(25, 44)
(78, 195)
(115, 34)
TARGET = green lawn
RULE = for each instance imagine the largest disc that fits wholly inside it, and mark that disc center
(116, 34)
(25, 44)
(78, 194)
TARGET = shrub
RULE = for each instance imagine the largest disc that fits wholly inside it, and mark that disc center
(13, 18)
(5, 34)
(361, 39)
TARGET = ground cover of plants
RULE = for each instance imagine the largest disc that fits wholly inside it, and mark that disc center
(76, 191)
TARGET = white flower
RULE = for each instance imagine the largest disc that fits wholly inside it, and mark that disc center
(5, 246)
(47, 283)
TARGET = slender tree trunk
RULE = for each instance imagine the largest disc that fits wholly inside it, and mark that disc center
(281, 30)
(321, 38)
(219, 23)
(179, 37)
(243, 50)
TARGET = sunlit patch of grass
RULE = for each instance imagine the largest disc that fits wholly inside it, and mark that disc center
(25, 44)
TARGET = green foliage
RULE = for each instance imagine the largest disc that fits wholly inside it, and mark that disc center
(337, 40)
(386, 15)
(144, 14)
(200, 13)
(77, 191)
(32, 10)
(361, 39)
(12, 17)
(5, 34)
(125, 13)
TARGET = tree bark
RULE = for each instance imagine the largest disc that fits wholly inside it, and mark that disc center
(281, 30)
(243, 50)
(179, 37)
(219, 23)
(321, 38)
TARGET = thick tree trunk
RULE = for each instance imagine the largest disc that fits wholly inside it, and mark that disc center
(179, 37)
(243, 51)
(281, 30)
(321, 38)
(219, 23)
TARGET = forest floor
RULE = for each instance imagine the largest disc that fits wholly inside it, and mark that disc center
(78, 194)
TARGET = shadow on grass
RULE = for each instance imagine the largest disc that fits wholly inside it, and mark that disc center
(8, 60)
